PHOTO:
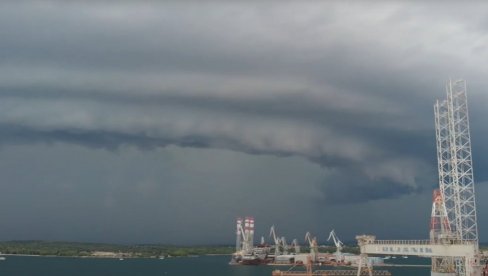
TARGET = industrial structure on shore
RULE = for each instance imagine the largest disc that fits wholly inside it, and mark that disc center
(453, 244)
(279, 252)
(330, 272)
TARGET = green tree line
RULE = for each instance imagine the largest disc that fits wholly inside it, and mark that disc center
(45, 248)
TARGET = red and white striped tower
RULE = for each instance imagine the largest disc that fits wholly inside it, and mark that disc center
(440, 232)
(238, 235)
(439, 223)
(245, 245)
(251, 232)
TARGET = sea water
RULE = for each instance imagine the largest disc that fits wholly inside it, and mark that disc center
(187, 266)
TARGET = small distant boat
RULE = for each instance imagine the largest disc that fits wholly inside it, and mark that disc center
(121, 256)
(161, 257)
(2, 258)
(387, 258)
(405, 257)
(394, 257)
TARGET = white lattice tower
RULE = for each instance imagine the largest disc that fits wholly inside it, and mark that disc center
(446, 186)
(455, 168)
(461, 161)
(444, 160)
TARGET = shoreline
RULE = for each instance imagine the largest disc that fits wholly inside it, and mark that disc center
(107, 257)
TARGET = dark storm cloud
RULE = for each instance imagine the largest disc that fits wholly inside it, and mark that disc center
(348, 89)
(350, 184)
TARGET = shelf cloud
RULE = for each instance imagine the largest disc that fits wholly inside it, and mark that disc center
(348, 87)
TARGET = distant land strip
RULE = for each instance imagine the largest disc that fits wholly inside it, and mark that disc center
(101, 250)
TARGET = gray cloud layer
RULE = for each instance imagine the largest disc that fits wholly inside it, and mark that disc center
(347, 86)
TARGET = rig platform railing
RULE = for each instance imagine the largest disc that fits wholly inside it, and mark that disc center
(330, 273)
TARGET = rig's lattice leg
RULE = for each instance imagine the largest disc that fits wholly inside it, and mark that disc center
(364, 264)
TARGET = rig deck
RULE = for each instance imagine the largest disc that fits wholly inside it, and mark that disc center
(329, 273)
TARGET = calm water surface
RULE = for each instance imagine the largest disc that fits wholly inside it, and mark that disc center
(192, 266)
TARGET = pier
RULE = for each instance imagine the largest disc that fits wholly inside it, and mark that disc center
(330, 273)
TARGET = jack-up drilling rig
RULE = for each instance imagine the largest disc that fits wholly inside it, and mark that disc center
(453, 244)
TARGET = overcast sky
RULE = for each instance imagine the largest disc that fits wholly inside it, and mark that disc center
(140, 121)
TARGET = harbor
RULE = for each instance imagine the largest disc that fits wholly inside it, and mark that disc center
(279, 252)
(453, 244)
(309, 271)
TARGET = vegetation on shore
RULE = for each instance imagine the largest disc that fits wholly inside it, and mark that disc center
(76, 249)
(79, 249)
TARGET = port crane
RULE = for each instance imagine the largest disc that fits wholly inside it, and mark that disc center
(277, 241)
(312, 242)
(244, 239)
(295, 245)
(337, 243)
(284, 245)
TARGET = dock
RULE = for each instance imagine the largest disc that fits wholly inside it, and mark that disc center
(330, 273)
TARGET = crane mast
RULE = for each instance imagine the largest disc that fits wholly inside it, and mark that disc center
(296, 246)
(337, 243)
(276, 240)
(312, 242)
(244, 235)
(284, 245)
